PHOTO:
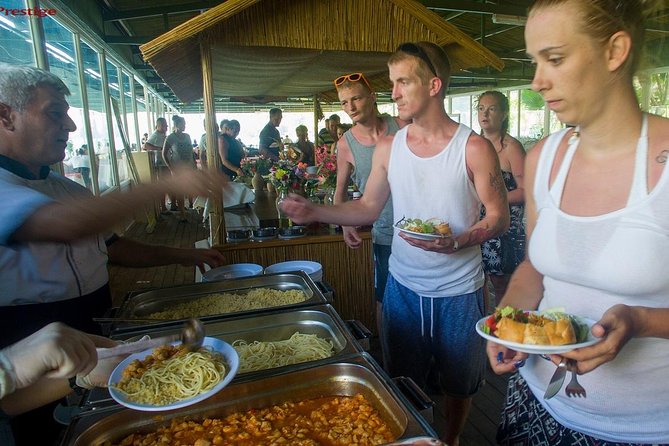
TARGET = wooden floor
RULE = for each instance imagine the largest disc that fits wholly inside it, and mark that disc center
(482, 423)
(167, 231)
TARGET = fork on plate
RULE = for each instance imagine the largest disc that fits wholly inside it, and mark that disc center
(574, 389)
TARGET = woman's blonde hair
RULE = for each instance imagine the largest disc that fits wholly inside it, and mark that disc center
(603, 18)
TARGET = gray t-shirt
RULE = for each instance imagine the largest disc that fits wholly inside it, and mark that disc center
(382, 230)
(157, 139)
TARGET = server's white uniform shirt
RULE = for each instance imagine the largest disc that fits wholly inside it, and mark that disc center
(39, 272)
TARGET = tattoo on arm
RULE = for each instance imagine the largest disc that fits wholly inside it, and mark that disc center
(478, 236)
(662, 157)
(497, 184)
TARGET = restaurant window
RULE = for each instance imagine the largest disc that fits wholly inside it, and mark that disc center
(515, 118)
(142, 119)
(460, 105)
(97, 116)
(62, 62)
(15, 41)
(125, 107)
(531, 111)
(659, 94)
(115, 95)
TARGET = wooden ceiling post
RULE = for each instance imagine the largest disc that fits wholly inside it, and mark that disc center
(315, 121)
(216, 216)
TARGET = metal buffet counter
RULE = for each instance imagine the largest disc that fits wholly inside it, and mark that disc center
(350, 272)
(348, 372)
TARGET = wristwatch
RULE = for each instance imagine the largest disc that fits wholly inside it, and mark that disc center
(456, 245)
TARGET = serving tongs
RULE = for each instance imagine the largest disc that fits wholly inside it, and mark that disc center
(191, 336)
(122, 320)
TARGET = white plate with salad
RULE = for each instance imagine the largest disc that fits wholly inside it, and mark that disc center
(582, 329)
(430, 229)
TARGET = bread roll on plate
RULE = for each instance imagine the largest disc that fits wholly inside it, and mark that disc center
(532, 329)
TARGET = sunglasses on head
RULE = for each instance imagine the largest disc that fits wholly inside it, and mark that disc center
(353, 77)
(415, 50)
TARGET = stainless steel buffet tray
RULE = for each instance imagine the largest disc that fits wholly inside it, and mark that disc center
(139, 305)
(350, 376)
(321, 320)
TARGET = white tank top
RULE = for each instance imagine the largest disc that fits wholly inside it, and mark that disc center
(590, 264)
(437, 186)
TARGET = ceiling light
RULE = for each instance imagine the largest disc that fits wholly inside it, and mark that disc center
(505, 19)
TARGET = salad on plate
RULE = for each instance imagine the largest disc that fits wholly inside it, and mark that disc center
(432, 226)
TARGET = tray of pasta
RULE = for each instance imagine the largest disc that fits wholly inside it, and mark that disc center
(215, 300)
(268, 343)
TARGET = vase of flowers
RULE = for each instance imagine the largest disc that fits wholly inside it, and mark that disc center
(281, 195)
(258, 182)
(327, 174)
(310, 188)
(256, 168)
(289, 176)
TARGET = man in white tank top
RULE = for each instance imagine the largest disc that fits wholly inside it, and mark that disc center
(434, 168)
(358, 100)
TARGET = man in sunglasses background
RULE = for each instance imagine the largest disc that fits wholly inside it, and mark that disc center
(434, 167)
(354, 162)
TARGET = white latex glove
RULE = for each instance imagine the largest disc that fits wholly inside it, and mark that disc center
(55, 351)
(99, 376)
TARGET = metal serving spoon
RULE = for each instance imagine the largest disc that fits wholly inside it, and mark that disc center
(191, 335)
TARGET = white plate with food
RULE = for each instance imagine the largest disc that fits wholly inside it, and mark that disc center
(213, 366)
(430, 229)
(536, 339)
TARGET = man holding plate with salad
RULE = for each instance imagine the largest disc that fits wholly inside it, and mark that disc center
(435, 168)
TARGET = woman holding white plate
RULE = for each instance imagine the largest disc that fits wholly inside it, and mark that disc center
(597, 209)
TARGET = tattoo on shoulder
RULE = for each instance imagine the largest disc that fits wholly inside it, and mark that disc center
(662, 157)
(497, 183)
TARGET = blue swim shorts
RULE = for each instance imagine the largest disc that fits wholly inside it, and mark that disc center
(423, 332)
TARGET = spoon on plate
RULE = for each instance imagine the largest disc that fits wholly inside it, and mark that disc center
(191, 336)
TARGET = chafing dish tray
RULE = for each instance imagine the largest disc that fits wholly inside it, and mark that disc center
(141, 305)
(321, 320)
(356, 374)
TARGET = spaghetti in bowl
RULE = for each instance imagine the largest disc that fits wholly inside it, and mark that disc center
(168, 378)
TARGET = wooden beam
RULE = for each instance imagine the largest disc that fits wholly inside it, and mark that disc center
(216, 217)
(112, 15)
(476, 7)
(127, 40)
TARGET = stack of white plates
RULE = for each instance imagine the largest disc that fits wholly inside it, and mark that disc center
(313, 269)
(234, 271)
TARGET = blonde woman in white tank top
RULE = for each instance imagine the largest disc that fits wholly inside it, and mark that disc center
(597, 208)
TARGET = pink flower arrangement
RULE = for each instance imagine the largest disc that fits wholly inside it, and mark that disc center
(327, 167)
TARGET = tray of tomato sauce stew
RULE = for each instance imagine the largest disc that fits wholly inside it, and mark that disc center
(355, 389)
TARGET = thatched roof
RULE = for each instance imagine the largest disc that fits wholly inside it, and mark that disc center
(294, 48)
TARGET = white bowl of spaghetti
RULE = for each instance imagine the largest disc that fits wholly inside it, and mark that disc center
(156, 383)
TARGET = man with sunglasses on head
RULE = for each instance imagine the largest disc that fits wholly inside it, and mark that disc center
(434, 167)
(354, 162)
